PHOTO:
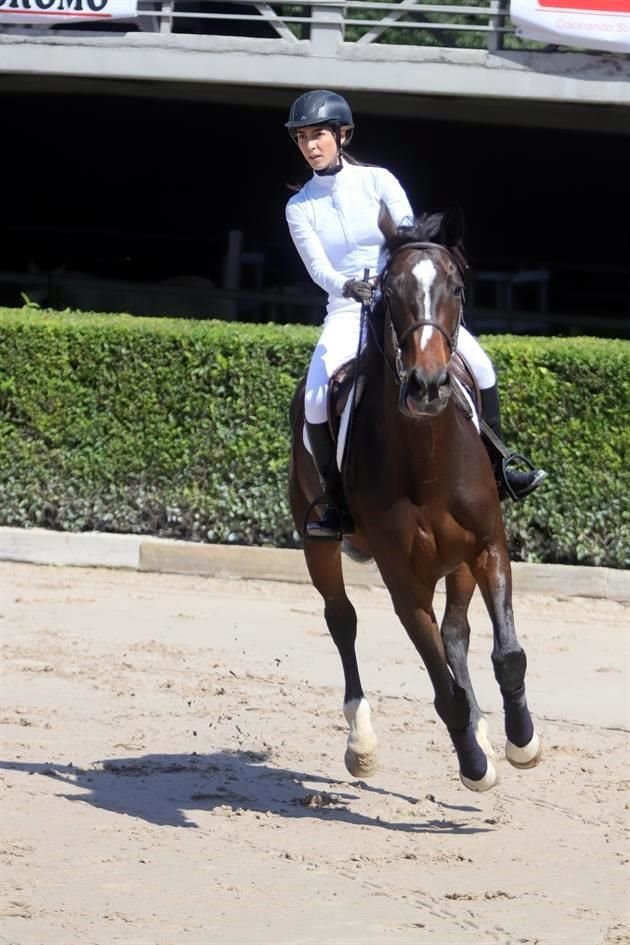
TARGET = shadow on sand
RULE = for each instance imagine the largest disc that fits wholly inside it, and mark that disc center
(163, 789)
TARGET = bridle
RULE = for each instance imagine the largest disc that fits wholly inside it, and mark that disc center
(398, 340)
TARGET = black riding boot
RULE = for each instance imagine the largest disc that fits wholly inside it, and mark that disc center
(516, 483)
(336, 520)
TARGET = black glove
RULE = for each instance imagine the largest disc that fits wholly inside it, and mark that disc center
(359, 290)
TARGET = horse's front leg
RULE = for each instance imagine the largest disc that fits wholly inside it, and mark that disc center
(476, 770)
(494, 576)
(324, 564)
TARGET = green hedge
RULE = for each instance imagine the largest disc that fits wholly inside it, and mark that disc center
(176, 428)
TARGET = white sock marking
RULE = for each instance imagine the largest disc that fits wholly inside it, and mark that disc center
(362, 738)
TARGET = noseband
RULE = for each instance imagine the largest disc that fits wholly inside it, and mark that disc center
(399, 340)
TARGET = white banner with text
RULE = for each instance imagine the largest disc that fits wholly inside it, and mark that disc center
(589, 24)
(51, 12)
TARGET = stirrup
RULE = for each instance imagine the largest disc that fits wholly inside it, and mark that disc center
(318, 531)
(518, 458)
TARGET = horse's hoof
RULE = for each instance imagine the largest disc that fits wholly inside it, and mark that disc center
(488, 781)
(360, 766)
(526, 757)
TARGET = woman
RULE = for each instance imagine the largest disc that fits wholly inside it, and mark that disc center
(333, 224)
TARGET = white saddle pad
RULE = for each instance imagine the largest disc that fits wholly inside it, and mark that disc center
(474, 418)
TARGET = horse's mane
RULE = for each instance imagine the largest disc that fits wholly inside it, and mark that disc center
(427, 228)
(423, 229)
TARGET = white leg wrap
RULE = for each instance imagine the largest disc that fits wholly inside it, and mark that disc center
(488, 781)
(361, 748)
(526, 757)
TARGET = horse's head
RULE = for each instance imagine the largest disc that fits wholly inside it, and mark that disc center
(423, 291)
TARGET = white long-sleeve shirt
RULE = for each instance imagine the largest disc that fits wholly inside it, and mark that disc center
(333, 224)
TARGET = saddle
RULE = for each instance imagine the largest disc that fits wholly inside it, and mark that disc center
(339, 390)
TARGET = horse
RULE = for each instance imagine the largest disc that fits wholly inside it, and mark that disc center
(422, 493)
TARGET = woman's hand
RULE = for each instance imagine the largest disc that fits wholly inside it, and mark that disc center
(359, 290)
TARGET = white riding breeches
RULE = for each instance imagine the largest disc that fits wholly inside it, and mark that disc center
(338, 343)
(480, 363)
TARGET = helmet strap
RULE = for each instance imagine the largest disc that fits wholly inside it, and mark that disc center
(334, 168)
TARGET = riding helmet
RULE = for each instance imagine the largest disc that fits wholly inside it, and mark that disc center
(320, 107)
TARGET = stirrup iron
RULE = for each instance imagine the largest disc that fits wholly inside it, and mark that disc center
(322, 500)
(506, 462)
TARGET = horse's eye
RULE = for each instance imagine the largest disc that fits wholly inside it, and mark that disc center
(458, 291)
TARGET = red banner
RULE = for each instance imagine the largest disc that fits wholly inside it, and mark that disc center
(594, 6)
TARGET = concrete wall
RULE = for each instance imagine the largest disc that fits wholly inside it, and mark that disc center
(568, 89)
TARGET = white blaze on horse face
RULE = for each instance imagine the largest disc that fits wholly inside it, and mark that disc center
(425, 273)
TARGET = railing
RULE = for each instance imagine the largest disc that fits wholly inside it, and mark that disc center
(480, 24)
(476, 24)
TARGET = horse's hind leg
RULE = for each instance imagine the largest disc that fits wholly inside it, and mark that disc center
(323, 560)
(455, 630)
(494, 577)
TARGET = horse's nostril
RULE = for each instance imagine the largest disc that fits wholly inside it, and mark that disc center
(421, 387)
(418, 383)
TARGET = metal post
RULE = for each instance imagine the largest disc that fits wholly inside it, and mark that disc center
(232, 270)
(166, 20)
(496, 19)
(326, 30)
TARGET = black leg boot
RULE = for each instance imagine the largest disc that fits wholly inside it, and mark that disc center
(516, 483)
(336, 520)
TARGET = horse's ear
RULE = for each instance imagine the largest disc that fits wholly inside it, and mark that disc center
(452, 226)
(386, 223)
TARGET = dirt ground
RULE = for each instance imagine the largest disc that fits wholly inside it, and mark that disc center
(172, 772)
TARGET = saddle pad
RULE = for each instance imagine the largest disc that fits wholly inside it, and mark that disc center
(344, 422)
(466, 394)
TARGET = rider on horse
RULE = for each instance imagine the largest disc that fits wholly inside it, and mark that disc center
(333, 221)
